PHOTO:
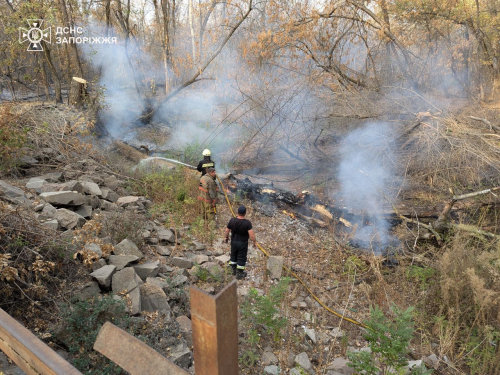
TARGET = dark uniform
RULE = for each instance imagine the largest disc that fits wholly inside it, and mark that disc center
(239, 242)
(204, 164)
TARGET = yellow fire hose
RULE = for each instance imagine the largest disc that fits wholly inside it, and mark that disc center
(350, 320)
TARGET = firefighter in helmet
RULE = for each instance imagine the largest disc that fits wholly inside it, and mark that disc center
(206, 163)
(208, 194)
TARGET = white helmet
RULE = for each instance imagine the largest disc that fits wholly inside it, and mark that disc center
(206, 152)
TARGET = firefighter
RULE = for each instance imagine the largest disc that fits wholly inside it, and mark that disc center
(241, 230)
(208, 194)
(206, 163)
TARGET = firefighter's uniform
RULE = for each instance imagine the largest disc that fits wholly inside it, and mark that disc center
(208, 196)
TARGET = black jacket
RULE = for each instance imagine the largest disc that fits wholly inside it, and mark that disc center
(204, 164)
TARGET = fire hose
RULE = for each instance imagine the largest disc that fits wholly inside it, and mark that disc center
(287, 269)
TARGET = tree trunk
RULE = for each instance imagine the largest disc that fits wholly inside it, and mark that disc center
(191, 28)
(55, 76)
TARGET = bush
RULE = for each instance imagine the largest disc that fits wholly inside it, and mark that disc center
(80, 326)
(12, 138)
(388, 341)
(262, 312)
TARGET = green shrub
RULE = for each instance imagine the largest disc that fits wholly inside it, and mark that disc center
(388, 342)
(80, 326)
(263, 311)
(12, 138)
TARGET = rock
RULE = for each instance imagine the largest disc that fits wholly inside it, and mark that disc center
(127, 247)
(182, 262)
(111, 182)
(48, 210)
(184, 323)
(103, 275)
(213, 268)
(163, 250)
(158, 281)
(431, 361)
(94, 247)
(26, 161)
(134, 296)
(268, 358)
(339, 364)
(179, 280)
(107, 206)
(125, 281)
(275, 266)
(91, 188)
(153, 298)
(52, 177)
(109, 195)
(72, 185)
(99, 264)
(95, 202)
(122, 261)
(295, 371)
(68, 219)
(63, 198)
(272, 370)
(165, 235)
(196, 246)
(39, 207)
(88, 291)
(181, 355)
(337, 333)
(12, 193)
(224, 259)
(127, 201)
(85, 211)
(200, 259)
(412, 364)
(311, 335)
(303, 361)
(35, 183)
(51, 224)
(148, 269)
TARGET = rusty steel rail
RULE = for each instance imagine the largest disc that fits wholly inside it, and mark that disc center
(30, 353)
(215, 339)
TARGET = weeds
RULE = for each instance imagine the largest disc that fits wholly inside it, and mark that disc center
(12, 138)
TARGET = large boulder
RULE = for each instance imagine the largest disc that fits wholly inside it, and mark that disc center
(63, 198)
(88, 291)
(153, 298)
(68, 219)
(127, 247)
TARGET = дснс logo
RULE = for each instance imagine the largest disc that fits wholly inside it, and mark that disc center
(35, 35)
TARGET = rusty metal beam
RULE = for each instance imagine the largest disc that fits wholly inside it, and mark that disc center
(215, 331)
(132, 354)
(30, 353)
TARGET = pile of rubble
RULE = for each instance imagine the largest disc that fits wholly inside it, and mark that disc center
(149, 279)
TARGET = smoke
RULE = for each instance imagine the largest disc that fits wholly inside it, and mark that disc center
(367, 176)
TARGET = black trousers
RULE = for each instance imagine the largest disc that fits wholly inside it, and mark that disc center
(239, 251)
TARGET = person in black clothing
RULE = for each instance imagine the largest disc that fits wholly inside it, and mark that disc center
(206, 163)
(241, 231)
